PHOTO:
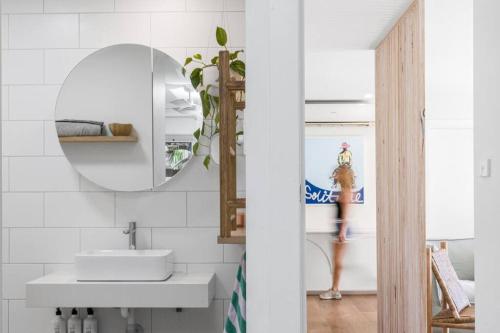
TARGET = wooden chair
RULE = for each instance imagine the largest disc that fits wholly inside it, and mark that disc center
(456, 310)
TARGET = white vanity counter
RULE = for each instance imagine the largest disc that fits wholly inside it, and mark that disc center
(182, 290)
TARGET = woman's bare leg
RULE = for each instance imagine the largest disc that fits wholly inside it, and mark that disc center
(338, 261)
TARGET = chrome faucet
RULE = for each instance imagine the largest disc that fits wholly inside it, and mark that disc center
(131, 231)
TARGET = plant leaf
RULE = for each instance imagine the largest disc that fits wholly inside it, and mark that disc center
(184, 71)
(188, 61)
(197, 133)
(234, 55)
(221, 36)
(197, 56)
(196, 77)
(206, 161)
(214, 60)
(196, 146)
(238, 66)
(205, 103)
(239, 133)
(217, 118)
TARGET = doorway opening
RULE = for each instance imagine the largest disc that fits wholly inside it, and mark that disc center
(343, 94)
(340, 42)
(328, 146)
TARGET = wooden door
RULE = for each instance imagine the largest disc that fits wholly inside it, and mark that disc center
(400, 101)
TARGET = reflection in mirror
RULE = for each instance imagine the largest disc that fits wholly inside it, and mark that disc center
(125, 117)
(177, 115)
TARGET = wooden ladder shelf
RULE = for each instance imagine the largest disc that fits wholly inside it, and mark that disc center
(229, 89)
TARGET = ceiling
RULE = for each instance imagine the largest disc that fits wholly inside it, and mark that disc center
(349, 24)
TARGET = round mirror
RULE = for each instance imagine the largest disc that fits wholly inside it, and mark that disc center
(125, 117)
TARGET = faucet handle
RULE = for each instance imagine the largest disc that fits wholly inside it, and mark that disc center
(131, 228)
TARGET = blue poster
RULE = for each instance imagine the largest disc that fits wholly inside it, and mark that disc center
(323, 156)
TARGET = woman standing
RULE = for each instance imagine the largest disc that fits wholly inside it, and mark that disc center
(345, 178)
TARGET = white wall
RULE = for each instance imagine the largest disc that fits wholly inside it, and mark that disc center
(50, 211)
(361, 262)
(340, 74)
(449, 113)
(274, 126)
(486, 146)
(1, 240)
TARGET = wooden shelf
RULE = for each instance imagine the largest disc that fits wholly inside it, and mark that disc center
(103, 138)
(237, 237)
(237, 203)
(239, 106)
(232, 240)
(235, 85)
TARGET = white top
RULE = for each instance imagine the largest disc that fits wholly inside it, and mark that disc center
(182, 290)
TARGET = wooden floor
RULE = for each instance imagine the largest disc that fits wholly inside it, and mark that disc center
(353, 314)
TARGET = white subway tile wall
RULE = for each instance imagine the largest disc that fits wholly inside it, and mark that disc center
(22, 67)
(113, 238)
(189, 320)
(22, 138)
(41, 174)
(5, 31)
(190, 245)
(49, 211)
(18, 312)
(55, 268)
(22, 210)
(184, 29)
(22, 7)
(73, 209)
(205, 5)
(111, 319)
(15, 276)
(5, 245)
(101, 30)
(78, 6)
(43, 31)
(151, 209)
(150, 5)
(5, 174)
(43, 245)
(5, 315)
(233, 253)
(31, 102)
(203, 209)
(5, 102)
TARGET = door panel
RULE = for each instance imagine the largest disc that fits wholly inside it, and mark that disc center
(400, 176)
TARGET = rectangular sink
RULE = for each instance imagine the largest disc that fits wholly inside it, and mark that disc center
(124, 265)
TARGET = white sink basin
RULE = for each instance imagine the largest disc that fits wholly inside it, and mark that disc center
(124, 265)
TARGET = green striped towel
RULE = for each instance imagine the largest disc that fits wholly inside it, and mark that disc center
(236, 316)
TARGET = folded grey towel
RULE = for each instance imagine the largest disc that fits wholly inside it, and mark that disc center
(74, 127)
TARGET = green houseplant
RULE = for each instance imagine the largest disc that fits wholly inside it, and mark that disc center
(203, 74)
